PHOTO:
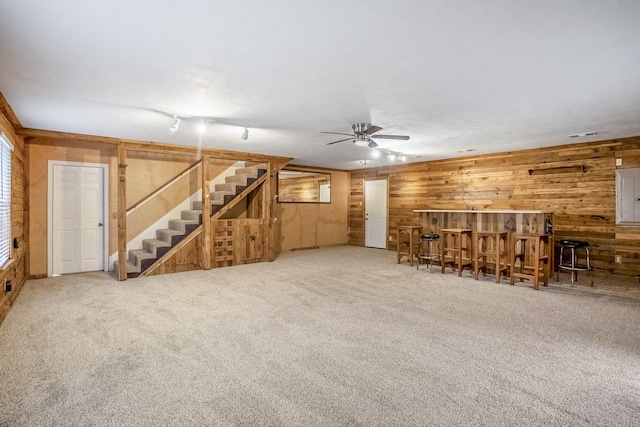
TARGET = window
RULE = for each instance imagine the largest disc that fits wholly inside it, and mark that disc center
(5, 198)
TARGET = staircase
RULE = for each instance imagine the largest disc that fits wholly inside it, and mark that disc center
(138, 260)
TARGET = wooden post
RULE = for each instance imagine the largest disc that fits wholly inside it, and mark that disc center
(267, 206)
(206, 216)
(122, 212)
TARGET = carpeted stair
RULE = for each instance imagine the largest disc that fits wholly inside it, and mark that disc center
(166, 238)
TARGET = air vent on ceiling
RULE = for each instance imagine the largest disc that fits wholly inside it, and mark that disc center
(578, 135)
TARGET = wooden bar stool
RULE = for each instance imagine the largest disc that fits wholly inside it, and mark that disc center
(492, 245)
(408, 242)
(533, 248)
(453, 254)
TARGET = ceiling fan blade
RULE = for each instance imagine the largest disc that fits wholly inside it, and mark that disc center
(338, 133)
(400, 137)
(372, 129)
(335, 142)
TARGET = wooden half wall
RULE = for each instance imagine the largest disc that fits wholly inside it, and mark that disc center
(576, 182)
(312, 225)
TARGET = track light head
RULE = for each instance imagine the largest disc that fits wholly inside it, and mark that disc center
(176, 123)
(245, 134)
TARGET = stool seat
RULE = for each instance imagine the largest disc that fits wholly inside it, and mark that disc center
(430, 236)
(574, 243)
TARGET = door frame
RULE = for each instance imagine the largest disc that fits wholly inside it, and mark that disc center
(364, 211)
(105, 209)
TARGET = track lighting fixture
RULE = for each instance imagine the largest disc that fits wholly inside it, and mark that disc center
(201, 123)
(176, 123)
(202, 126)
(377, 153)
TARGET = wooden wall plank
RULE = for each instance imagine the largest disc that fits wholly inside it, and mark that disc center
(15, 270)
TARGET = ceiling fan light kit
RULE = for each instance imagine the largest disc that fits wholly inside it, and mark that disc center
(362, 137)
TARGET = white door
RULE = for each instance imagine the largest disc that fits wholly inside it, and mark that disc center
(325, 193)
(375, 217)
(77, 211)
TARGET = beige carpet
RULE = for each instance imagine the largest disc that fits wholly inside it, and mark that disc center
(331, 337)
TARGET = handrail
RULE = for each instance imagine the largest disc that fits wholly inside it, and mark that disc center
(162, 188)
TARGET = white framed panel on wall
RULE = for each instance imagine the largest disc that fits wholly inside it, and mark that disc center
(628, 196)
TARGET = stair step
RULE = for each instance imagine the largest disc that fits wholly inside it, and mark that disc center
(228, 186)
(215, 205)
(137, 257)
(181, 225)
(240, 179)
(254, 171)
(156, 246)
(170, 236)
(194, 215)
(131, 268)
(219, 196)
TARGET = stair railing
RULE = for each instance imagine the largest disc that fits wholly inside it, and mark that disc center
(160, 189)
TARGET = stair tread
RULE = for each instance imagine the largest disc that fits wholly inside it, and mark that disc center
(141, 253)
(131, 268)
(169, 231)
(157, 242)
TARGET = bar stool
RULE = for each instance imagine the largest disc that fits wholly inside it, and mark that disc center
(492, 244)
(456, 251)
(573, 266)
(407, 247)
(428, 253)
(534, 248)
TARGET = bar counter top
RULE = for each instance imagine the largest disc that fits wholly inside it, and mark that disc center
(488, 211)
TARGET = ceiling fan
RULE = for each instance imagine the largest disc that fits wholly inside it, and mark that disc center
(362, 133)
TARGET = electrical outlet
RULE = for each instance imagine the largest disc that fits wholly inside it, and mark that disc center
(618, 162)
(619, 259)
(390, 238)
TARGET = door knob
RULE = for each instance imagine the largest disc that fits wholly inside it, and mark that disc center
(99, 224)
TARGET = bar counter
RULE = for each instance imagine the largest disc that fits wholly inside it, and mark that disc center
(513, 221)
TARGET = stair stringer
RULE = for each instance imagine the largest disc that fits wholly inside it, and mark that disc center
(178, 247)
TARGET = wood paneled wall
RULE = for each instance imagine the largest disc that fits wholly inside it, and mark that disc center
(302, 189)
(576, 182)
(15, 269)
(310, 225)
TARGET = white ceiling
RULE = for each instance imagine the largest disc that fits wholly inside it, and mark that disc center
(455, 75)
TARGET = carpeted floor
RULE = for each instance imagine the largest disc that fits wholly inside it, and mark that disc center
(338, 336)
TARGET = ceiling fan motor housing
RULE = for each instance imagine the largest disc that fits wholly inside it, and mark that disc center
(359, 128)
